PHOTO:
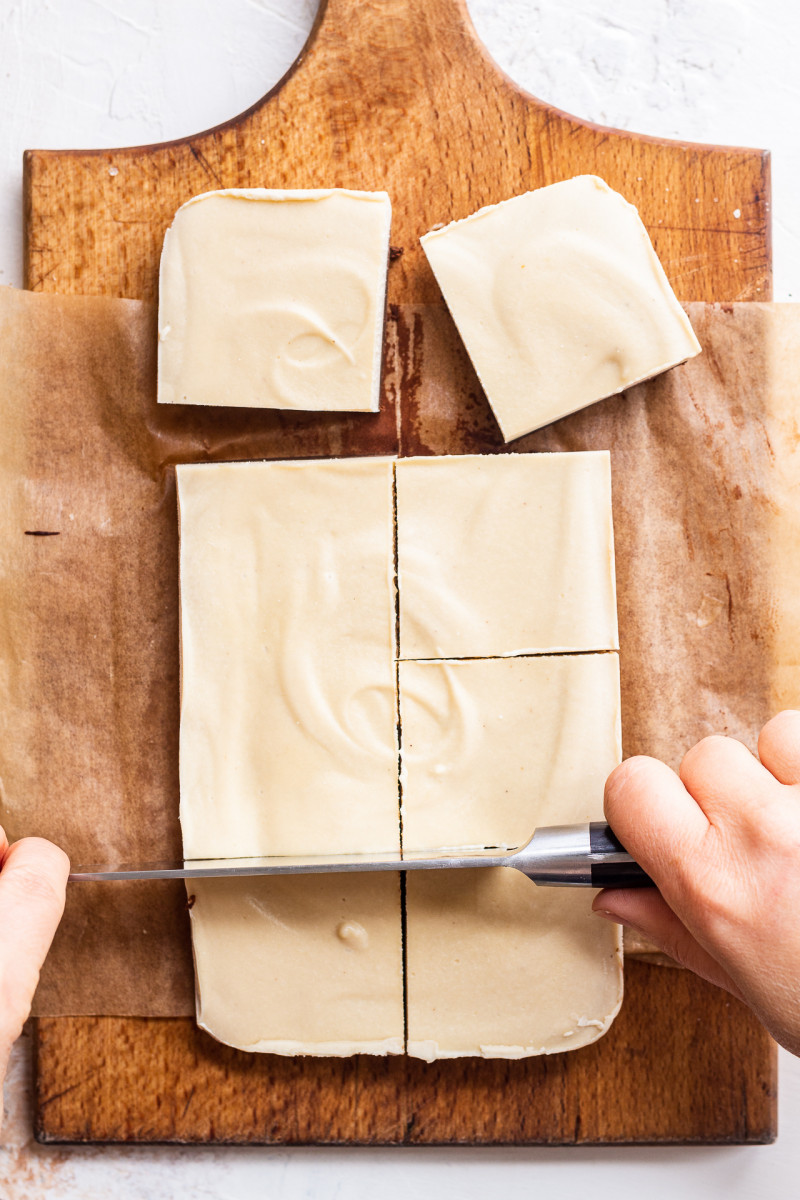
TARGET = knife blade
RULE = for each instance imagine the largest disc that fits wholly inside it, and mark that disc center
(587, 855)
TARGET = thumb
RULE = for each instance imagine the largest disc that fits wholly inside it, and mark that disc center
(33, 880)
(646, 911)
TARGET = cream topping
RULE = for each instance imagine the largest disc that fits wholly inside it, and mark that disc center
(274, 299)
(353, 935)
(288, 723)
(505, 554)
(526, 742)
(560, 299)
(288, 745)
(300, 965)
(496, 965)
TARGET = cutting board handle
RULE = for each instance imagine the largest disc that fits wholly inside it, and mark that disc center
(401, 96)
(406, 37)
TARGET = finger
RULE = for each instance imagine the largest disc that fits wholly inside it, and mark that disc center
(779, 746)
(32, 892)
(654, 817)
(646, 911)
(726, 780)
(3, 1056)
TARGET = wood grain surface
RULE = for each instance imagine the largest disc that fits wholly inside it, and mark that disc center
(400, 95)
(683, 1062)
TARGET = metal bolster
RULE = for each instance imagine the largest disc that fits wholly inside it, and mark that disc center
(558, 856)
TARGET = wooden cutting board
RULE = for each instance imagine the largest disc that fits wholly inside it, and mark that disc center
(400, 95)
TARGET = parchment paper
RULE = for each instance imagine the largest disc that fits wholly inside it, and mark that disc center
(706, 481)
(89, 623)
(705, 466)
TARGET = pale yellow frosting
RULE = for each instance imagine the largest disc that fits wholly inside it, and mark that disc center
(505, 554)
(274, 299)
(288, 722)
(560, 299)
(289, 745)
(493, 748)
(275, 975)
(500, 968)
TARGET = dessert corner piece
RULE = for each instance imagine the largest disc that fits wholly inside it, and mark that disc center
(492, 749)
(288, 731)
(274, 299)
(288, 745)
(500, 968)
(300, 965)
(560, 300)
(505, 554)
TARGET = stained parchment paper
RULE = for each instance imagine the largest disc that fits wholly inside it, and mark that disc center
(705, 463)
(706, 479)
(89, 688)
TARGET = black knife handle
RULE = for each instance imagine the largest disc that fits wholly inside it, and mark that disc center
(611, 864)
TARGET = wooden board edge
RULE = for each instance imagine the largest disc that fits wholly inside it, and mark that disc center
(34, 159)
(756, 1123)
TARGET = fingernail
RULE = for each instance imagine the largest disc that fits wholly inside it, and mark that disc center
(611, 916)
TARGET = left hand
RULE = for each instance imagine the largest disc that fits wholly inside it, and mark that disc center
(33, 880)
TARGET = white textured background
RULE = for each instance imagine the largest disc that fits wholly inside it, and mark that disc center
(81, 73)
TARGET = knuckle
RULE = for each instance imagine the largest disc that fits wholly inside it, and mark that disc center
(699, 759)
(707, 747)
(787, 717)
(625, 789)
(780, 737)
(623, 777)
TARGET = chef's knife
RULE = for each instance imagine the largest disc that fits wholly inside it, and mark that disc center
(588, 855)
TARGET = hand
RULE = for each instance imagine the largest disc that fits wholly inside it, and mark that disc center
(33, 880)
(722, 842)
